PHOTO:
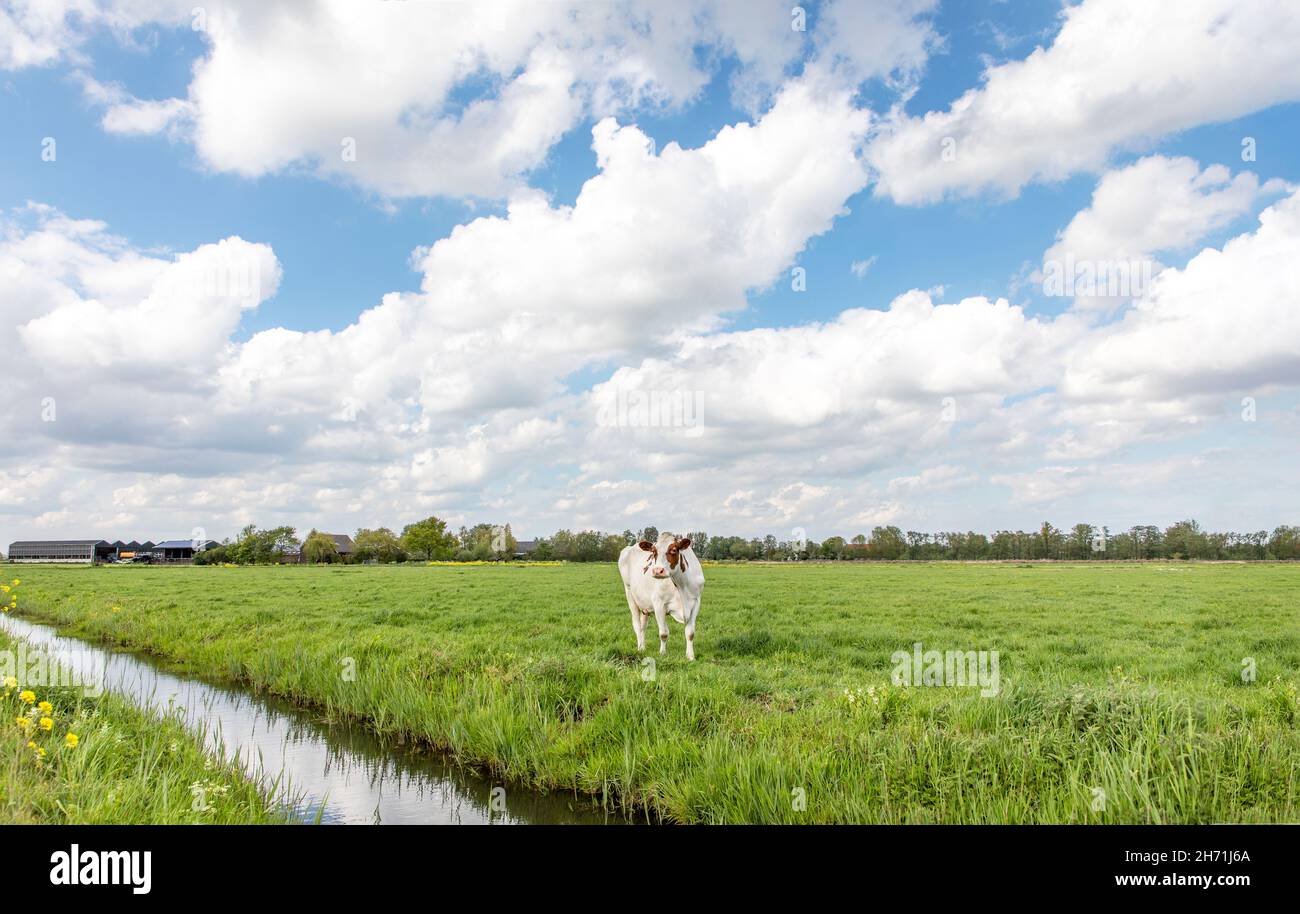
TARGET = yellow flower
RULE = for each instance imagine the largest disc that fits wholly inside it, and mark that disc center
(46, 724)
(11, 682)
(70, 741)
(17, 582)
(45, 707)
(4, 588)
(31, 744)
(24, 723)
(28, 696)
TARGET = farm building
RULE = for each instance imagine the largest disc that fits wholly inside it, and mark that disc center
(91, 551)
(342, 542)
(343, 545)
(130, 550)
(525, 548)
(179, 551)
(83, 551)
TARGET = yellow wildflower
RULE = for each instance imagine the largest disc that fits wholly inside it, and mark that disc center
(70, 741)
(46, 724)
(23, 723)
(27, 696)
(11, 682)
(45, 707)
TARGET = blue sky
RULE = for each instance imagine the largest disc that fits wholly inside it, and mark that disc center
(513, 441)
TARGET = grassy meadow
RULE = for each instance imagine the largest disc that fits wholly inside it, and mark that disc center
(1121, 695)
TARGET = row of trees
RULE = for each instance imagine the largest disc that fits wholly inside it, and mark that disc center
(424, 540)
(1183, 540)
(431, 540)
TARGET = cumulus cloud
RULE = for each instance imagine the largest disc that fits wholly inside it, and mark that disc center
(37, 33)
(1117, 75)
(126, 115)
(182, 322)
(446, 386)
(932, 479)
(461, 99)
(658, 244)
(824, 427)
(1226, 322)
(1156, 204)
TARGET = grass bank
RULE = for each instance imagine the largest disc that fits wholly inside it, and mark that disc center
(67, 757)
(1121, 695)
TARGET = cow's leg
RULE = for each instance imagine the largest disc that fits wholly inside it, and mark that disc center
(661, 617)
(638, 621)
(690, 631)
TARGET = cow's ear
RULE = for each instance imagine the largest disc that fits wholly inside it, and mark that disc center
(646, 545)
(684, 543)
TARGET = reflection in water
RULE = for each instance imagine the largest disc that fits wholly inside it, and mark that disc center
(341, 773)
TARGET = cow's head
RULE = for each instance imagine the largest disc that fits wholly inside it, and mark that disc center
(665, 556)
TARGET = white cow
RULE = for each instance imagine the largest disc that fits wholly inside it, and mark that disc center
(665, 579)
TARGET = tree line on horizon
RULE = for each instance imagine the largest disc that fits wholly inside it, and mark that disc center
(424, 540)
(1082, 542)
(431, 540)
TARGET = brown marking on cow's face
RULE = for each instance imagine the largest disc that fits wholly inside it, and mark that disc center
(675, 550)
(647, 545)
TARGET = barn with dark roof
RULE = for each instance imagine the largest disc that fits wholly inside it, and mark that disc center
(66, 551)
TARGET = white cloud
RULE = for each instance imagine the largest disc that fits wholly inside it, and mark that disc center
(820, 427)
(458, 99)
(932, 479)
(865, 39)
(1157, 204)
(656, 245)
(830, 427)
(1117, 75)
(191, 307)
(1227, 322)
(38, 33)
(1054, 484)
(127, 115)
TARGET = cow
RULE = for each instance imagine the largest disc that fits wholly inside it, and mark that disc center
(664, 579)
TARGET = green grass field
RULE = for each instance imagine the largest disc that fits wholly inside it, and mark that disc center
(1122, 697)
